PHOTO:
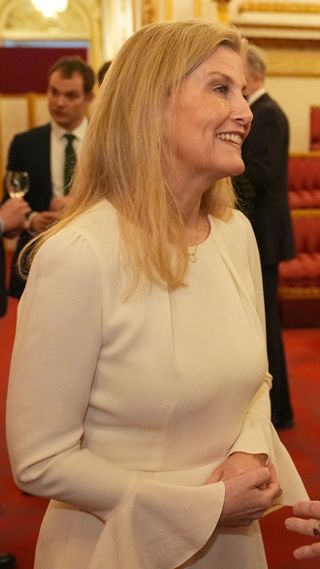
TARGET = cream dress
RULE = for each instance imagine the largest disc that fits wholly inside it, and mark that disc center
(119, 410)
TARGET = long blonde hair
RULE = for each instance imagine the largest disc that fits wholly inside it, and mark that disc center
(124, 152)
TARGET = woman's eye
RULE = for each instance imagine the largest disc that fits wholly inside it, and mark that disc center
(246, 97)
(222, 89)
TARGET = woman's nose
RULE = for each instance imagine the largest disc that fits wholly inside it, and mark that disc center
(243, 113)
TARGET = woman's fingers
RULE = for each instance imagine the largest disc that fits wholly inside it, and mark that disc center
(248, 496)
(215, 475)
(300, 525)
(273, 472)
(310, 527)
(307, 551)
(308, 509)
(260, 477)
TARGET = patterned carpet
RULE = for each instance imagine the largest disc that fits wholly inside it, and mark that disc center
(20, 514)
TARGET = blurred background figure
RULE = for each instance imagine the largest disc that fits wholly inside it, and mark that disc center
(48, 153)
(7, 561)
(13, 218)
(262, 193)
(102, 71)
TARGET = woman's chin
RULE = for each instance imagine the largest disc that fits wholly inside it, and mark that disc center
(238, 169)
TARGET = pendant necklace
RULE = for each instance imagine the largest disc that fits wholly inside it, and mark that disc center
(193, 254)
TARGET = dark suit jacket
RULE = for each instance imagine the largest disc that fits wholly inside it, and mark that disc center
(263, 188)
(30, 152)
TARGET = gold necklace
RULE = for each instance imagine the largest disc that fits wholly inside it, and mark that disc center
(193, 254)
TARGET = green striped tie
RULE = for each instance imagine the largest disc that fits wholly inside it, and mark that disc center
(69, 162)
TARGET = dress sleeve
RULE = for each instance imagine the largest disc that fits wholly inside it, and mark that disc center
(257, 434)
(57, 345)
(55, 352)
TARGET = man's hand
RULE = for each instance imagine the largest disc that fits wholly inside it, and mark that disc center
(42, 221)
(309, 526)
(13, 213)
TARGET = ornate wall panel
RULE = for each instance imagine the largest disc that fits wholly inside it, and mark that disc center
(19, 20)
(289, 32)
(284, 61)
(278, 18)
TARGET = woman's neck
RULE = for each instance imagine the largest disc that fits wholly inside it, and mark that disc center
(189, 198)
(197, 225)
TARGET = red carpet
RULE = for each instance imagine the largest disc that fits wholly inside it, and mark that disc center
(20, 515)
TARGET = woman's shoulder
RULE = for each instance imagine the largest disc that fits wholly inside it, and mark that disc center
(98, 220)
(235, 233)
(234, 236)
(98, 225)
(233, 223)
(93, 233)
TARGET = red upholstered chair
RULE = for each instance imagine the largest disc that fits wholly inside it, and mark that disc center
(299, 283)
(304, 180)
(299, 290)
(315, 128)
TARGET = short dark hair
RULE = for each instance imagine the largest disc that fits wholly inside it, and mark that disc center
(70, 65)
(103, 70)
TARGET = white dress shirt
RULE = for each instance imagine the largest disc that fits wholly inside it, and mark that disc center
(256, 95)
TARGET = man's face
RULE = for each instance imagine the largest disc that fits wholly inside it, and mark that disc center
(67, 101)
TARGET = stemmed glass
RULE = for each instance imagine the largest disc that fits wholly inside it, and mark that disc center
(17, 183)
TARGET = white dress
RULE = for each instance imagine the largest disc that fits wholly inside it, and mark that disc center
(119, 410)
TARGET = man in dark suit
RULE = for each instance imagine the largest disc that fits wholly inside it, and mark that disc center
(48, 152)
(263, 196)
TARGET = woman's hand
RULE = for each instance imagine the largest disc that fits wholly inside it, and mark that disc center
(248, 496)
(237, 463)
(309, 527)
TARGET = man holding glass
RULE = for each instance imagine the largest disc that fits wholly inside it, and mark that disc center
(48, 153)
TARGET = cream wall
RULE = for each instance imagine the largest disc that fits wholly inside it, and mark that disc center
(181, 10)
(296, 95)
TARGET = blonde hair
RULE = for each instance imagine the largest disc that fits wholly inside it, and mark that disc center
(124, 152)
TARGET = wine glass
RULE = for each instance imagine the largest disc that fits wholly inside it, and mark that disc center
(17, 183)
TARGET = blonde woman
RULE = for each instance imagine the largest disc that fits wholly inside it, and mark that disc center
(140, 403)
